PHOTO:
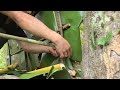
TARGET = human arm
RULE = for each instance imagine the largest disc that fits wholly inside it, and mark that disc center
(36, 27)
(35, 48)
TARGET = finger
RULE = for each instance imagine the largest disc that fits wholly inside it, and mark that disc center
(53, 52)
(56, 54)
(53, 48)
(61, 55)
(65, 53)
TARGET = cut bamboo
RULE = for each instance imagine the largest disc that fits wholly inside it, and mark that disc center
(41, 71)
(7, 36)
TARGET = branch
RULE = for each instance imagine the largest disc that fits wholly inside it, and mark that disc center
(7, 36)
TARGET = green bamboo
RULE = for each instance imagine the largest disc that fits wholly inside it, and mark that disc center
(58, 20)
(41, 71)
(8, 68)
(7, 36)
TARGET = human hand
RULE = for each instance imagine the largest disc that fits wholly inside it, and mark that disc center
(51, 50)
(63, 48)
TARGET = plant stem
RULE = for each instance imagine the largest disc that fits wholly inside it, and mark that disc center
(7, 36)
(58, 20)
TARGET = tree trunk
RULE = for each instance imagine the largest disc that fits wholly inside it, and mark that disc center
(101, 62)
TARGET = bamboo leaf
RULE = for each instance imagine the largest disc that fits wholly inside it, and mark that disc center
(79, 73)
(48, 18)
(14, 73)
(72, 35)
(68, 64)
(64, 74)
(47, 60)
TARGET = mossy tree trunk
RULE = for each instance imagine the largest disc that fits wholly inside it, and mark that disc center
(101, 62)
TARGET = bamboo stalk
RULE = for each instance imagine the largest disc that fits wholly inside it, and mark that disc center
(45, 70)
(8, 68)
(59, 25)
(60, 28)
(59, 22)
(7, 36)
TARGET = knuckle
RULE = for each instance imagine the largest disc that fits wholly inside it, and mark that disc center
(61, 56)
(66, 55)
(68, 48)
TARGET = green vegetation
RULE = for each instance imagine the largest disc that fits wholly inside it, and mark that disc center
(106, 40)
(47, 61)
(3, 55)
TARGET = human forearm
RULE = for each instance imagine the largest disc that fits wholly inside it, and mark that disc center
(35, 48)
(36, 27)
(32, 25)
(32, 48)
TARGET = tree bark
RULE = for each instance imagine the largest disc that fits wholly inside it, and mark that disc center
(101, 62)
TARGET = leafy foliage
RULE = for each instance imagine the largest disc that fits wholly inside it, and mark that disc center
(72, 35)
(106, 40)
(3, 55)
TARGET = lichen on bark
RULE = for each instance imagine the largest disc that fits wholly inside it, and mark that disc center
(98, 63)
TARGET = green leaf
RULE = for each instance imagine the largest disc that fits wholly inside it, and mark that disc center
(72, 35)
(68, 64)
(47, 18)
(106, 40)
(79, 73)
(14, 73)
(101, 41)
(32, 61)
(47, 60)
(64, 74)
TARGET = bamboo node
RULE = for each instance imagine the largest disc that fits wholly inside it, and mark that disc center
(62, 65)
